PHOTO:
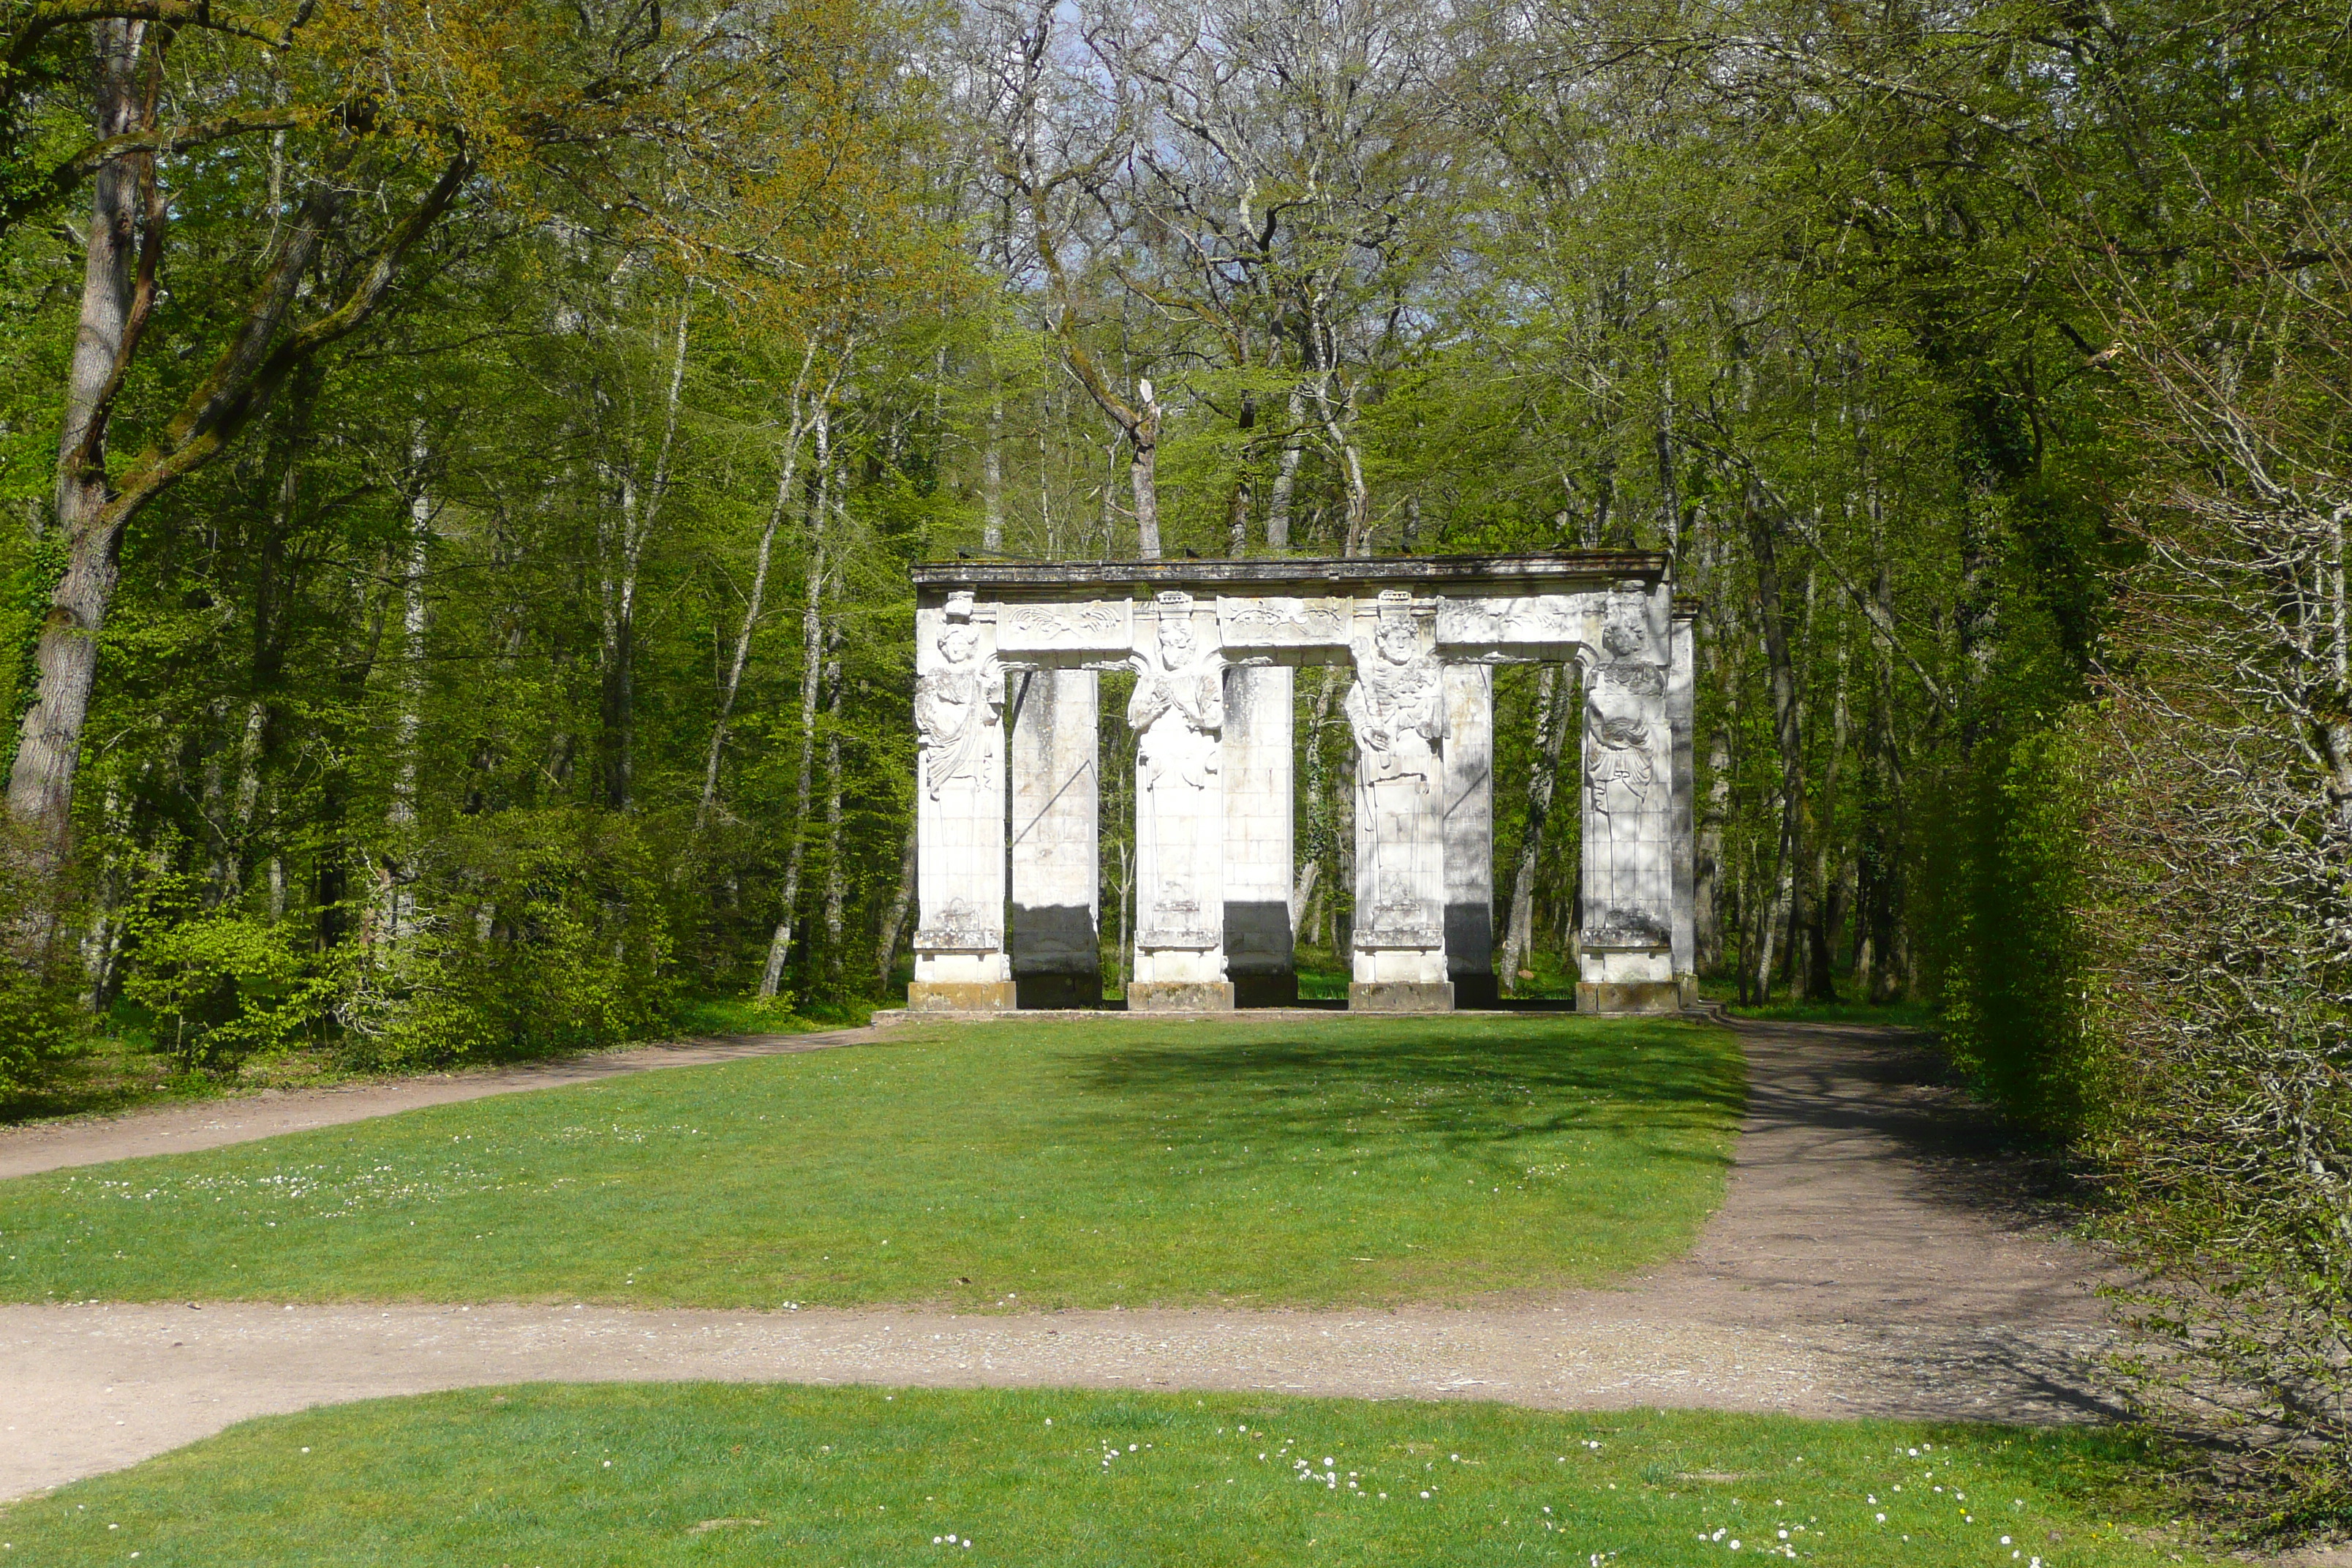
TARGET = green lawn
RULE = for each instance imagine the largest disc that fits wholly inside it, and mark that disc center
(1027, 1164)
(558, 1477)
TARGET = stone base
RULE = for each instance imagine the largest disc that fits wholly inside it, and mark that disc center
(961, 996)
(1477, 991)
(1179, 997)
(1266, 990)
(1629, 998)
(1400, 996)
(1059, 991)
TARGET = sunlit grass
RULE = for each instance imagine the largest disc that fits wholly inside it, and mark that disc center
(1021, 1164)
(699, 1473)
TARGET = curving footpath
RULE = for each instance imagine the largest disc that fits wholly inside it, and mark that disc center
(1877, 1253)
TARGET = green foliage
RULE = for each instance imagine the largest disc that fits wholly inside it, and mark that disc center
(551, 935)
(2005, 944)
(221, 989)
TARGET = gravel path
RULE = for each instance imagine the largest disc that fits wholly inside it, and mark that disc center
(1874, 1255)
(240, 1119)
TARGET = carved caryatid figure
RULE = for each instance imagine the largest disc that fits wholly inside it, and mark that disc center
(959, 710)
(1178, 710)
(1624, 791)
(1397, 706)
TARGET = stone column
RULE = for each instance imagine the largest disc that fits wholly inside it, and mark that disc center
(1178, 713)
(1397, 707)
(1470, 833)
(1627, 942)
(1056, 838)
(960, 964)
(1260, 959)
(1681, 683)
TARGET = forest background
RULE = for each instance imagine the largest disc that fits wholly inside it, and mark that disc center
(462, 461)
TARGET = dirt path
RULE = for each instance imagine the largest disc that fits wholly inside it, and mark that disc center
(208, 1124)
(1873, 1256)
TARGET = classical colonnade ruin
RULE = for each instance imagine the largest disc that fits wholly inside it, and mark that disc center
(1009, 658)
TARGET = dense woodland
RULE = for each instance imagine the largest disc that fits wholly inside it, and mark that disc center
(461, 461)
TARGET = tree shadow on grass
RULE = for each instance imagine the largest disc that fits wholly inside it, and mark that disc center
(1385, 1087)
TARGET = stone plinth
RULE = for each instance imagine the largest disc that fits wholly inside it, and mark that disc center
(1400, 996)
(1469, 833)
(1056, 953)
(1260, 955)
(974, 996)
(1179, 997)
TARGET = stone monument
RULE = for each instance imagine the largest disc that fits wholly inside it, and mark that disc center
(1214, 646)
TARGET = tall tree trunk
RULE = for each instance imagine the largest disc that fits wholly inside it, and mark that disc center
(992, 476)
(1243, 499)
(1319, 829)
(1285, 473)
(836, 872)
(894, 920)
(1143, 472)
(1338, 425)
(1553, 698)
(1762, 543)
(394, 868)
(119, 256)
(1710, 892)
(638, 515)
(795, 429)
(780, 942)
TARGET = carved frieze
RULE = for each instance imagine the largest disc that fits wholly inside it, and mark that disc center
(1545, 619)
(1283, 622)
(1095, 626)
(960, 926)
(1174, 921)
(1401, 918)
(1634, 930)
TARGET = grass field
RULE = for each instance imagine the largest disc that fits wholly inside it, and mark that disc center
(558, 1477)
(1023, 1165)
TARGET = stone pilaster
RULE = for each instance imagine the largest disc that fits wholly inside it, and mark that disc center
(1260, 957)
(1397, 707)
(1680, 684)
(1178, 715)
(1627, 941)
(1057, 951)
(961, 963)
(1469, 834)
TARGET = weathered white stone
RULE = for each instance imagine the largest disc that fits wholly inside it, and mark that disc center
(1214, 717)
(1285, 623)
(1397, 707)
(1469, 830)
(1628, 863)
(1086, 626)
(1057, 951)
(1178, 714)
(1260, 957)
(960, 954)
(1680, 684)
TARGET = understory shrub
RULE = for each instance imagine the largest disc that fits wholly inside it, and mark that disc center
(2004, 946)
(2219, 896)
(221, 989)
(530, 931)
